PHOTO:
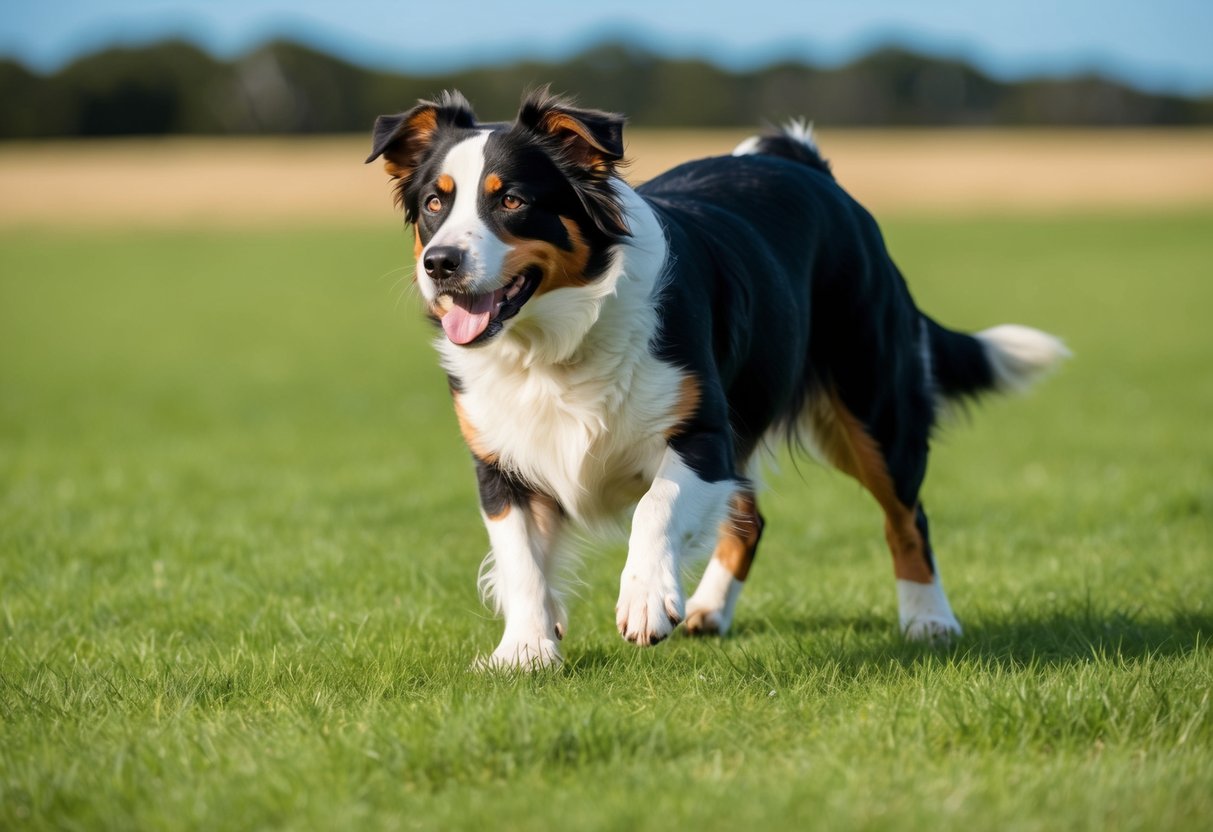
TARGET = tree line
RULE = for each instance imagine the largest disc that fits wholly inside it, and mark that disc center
(282, 87)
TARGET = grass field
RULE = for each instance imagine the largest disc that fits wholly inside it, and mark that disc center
(239, 540)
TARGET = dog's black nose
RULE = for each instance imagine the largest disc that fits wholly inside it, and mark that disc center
(441, 262)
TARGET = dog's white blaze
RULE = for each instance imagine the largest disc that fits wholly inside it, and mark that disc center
(483, 251)
(569, 396)
(678, 515)
(924, 611)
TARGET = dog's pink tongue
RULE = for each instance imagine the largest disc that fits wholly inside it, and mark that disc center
(468, 317)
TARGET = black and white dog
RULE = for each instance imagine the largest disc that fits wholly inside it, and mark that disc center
(613, 349)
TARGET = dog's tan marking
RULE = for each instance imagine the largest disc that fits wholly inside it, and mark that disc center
(492, 184)
(560, 267)
(471, 436)
(908, 547)
(849, 447)
(420, 129)
(441, 305)
(686, 406)
(593, 153)
(417, 248)
(739, 536)
(446, 184)
(546, 512)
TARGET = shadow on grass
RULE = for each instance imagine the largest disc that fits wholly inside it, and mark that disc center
(1079, 636)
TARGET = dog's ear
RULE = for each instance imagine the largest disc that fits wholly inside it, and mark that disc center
(589, 139)
(403, 139)
(588, 146)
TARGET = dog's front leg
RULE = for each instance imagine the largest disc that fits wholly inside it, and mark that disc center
(681, 508)
(524, 530)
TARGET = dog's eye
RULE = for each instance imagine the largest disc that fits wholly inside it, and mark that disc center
(511, 203)
(433, 205)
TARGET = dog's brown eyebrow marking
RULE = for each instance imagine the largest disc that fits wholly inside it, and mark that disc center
(492, 184)
(446, 184)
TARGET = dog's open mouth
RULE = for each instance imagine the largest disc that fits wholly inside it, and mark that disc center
(476, 318)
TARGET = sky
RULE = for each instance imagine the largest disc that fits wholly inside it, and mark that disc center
(1159, 45)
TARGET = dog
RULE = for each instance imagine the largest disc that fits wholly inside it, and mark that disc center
(612, 349)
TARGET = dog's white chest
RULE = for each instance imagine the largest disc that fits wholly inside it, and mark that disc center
(570, 399)
(593, 445)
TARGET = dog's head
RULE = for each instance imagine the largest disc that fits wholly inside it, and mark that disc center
(503, 213)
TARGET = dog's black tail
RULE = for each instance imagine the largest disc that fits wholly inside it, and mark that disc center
(795, 141)
(1005, 358)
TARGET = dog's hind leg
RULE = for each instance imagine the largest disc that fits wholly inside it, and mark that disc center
(710, 609)
(892, 469)
(923, 608)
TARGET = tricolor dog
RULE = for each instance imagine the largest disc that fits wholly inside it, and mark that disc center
(615, 350)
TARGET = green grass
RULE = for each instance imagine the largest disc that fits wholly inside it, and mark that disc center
(239, 540)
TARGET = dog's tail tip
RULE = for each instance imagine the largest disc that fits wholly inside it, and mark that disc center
(1019, 356)
(795, 141)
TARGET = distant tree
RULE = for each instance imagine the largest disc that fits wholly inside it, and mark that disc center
(171, 87)
(283, 87)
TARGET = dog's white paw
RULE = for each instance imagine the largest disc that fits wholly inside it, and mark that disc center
(710, 609)
(706, 622)
(940, 631)
(521, 654)
(648, 610)
(925, 613)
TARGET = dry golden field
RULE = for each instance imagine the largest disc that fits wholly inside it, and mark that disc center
(241, 182)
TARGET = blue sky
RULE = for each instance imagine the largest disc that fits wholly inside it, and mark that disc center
(1158, 45)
